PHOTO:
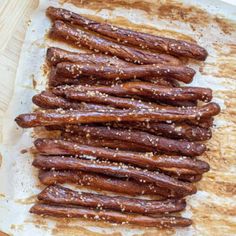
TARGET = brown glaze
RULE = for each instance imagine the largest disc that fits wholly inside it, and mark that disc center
(56, 194)
(48, 100)
(166, 45)
(78, 37)
(169, 130)
(110, 216)
(75, 70)
(56, 55)
(177, 164)
(114, 169)
(143, 89)
(157, 143)
(59, 117)
(103, 182)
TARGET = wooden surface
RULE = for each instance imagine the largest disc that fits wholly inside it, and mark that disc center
(14, 17)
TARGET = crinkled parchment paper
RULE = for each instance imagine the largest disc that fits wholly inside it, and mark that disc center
(213, 25)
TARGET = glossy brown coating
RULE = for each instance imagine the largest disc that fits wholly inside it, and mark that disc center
(105, 99)
(76, 70)
(56, 194)
(143, 89)
(177, 164)
(173, 94)
(56, 55)
(103, 182)
(48, 100)
(169, 130)
(60, 117)
(78, 37)
(110, 216)
(157, 143)
(143, 40)
(114, 169)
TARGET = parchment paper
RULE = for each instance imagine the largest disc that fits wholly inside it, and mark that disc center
(213, 25)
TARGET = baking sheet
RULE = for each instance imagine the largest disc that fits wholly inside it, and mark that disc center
(213, 208)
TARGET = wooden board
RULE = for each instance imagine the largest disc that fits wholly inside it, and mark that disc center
(14, 18)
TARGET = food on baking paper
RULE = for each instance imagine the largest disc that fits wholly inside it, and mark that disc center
(75, 70)
(110, 216)
(125, 124)
(78, 37)
(177, 164)
(165, 45)
(57, 194)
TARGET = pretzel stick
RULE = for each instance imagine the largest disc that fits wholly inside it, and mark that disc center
(114, 169)
(59, 117)
(143, 160)
(78, 37)
(76, 70)
(143, 89)
(56, 55)
(143, 40)
(56, 194)
(48, 100)
(110, 216)
(172, 130)
(103, 182)
(159, 144)
(104, 99)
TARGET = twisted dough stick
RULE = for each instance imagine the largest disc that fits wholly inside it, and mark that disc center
(110, 216)
(157, 143)
(76, 70)
(59, 117)
(103, 182)
(143, 89)
(114, 169)
(56, 194)
(143, 40)
(143, 160)
(68, 33)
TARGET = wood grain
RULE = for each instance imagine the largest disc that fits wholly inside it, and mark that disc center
(14, 18)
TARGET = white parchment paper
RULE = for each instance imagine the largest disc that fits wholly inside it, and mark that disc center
(18, 179)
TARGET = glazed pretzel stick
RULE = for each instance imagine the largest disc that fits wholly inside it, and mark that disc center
(143, 160)
(110, 216)
(157, 143)
(59, 117)
(143, 40)
(143, 89)
(104, 182)
(114, 169)
(78, 37)
(56, 194)
(76, 70)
